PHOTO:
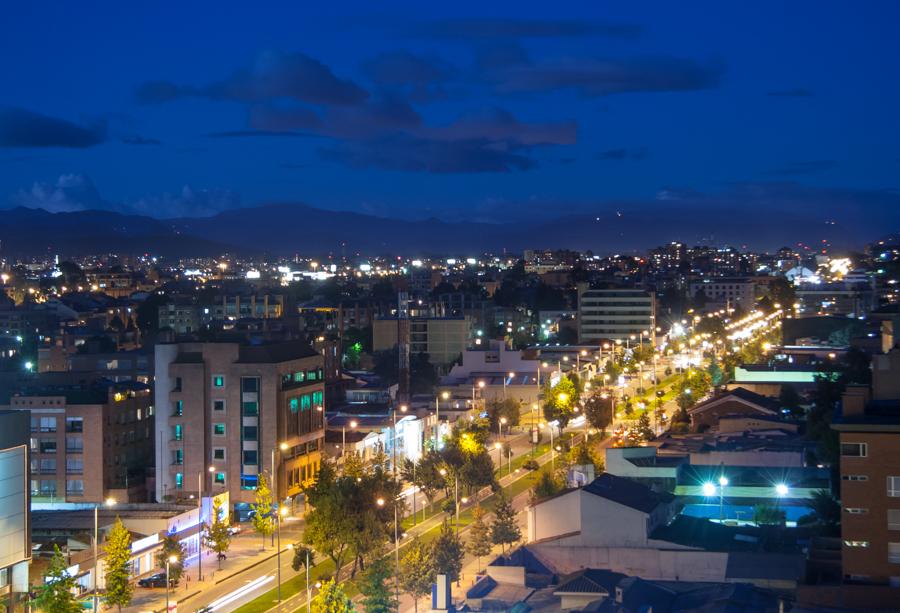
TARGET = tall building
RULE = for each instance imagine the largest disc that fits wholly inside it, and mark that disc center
(610, 314)
(442, 338)
(732, 291)
(15, 529)
(869, 430)
(88, 442)
(239, 409)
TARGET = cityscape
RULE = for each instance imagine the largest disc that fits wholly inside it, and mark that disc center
(463, 308)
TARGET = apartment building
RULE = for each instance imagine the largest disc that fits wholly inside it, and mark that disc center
(228, 411)
(729, 291)
(88, 442)
(15, 521)
(610, 314)
(869, 430)
(442, 338)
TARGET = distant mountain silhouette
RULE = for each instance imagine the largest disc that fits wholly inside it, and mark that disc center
(285, 229)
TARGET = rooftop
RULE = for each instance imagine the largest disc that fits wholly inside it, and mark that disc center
(628, 493)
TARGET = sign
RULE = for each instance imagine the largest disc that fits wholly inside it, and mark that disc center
(173, 607)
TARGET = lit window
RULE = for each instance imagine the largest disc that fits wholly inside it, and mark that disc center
(218, 429)
(894, 553)
(218, 381)
(219, 479)
(862, 544)
(294, 405)
(179, 480)
(854, 450)
(893, 487)
(893, 517)
(250, 408)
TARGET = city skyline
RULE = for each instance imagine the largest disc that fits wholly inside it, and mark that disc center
(462, 114)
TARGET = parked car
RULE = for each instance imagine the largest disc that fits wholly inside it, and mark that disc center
(234, 529)
(157, 580)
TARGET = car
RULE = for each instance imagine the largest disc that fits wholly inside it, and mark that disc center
(157, 580)
(234, 529)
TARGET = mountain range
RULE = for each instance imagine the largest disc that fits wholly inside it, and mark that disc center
(290, 228)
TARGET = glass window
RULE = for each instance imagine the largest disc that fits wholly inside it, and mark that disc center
(218, 429)
(249, 384)
(855, 478)
(305, 402)
(218, 381)
(219, 479)
(311, 375)
(218, 453)
(250, 408)
(893, 487)
(178, 432)
(219, 406)
(179, 408)
(317, 399)
(179, 481)
(861, 544)
(248, 482)
(48, 465)
(854, 450)
(48, 446)
(250, 456)
(894, 553)
(294, 404)
(250, 433)
(74, 444)
(48, 488)
(299, 376)
(43, 424)
(893, 517)
(74, 487)
(177, 456)
(74, 424)
(74, 466)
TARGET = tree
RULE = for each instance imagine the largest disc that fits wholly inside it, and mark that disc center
(56, 593)
(447, 553)
(789, 398)
(119, 588)
(546, 486)
(826, 508)
(171, 547)
(417, 570)
(479, 536)
(263, 519)
(505, 529)
(560, 401)
(782, 292)
(508, 408)
(645, 430)
(598, 411)
(378, 597)
(331, 599)
(218, 537)
(302, 553)
(768, 515)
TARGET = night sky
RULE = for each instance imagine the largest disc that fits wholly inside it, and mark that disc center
(525, 110)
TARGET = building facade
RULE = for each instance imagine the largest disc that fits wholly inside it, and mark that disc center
(442, 338)
(229, 411)
(15, 520)
(610, 314)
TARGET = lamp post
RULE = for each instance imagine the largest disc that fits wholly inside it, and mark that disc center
(108, 502)
(443, 472)
(344, 436)
(437, 417)
(281, 512)
(499, 447)
(380, 502)
(723, 481)
(534, 428)
(500, 423)
(510, 375)
(200, 523)
(169, 560)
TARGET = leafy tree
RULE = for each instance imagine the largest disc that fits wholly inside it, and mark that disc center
(378, 597)
(478, 471)
(302, 553)
(119, 588)
(448, 553)
(546, 486)
(56, 593)
(505, 529)
(716, 375)
(560, 401)
(263, 517)
(782, 292)
(171, 546)
(768, 515)
(789, 398)
(479, 536)
(583, 455)
(644, 429)
(417, 571)
(331, 599)
(425, 474)
(508, 408)
(599, 411)
(218, 537)
(826, 508)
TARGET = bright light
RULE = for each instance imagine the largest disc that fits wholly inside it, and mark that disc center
(110, 502)
(723, 481)
(709, 489)
(283, 446)
(29, 365)
(173, 559)
(380, 502)
(481, 384)
(781, 489)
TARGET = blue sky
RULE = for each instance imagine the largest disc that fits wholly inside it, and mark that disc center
(461, 111)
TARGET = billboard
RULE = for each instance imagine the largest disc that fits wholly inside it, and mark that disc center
(14, 537)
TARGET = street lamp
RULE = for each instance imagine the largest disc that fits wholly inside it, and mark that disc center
(500, 423)
(211, 469)
(443, 472)
(169, 560)
(445, 395)
(281, 512)
(344, 436)
(108, 502)
(723, 481)
(781, 490)
(510, 375)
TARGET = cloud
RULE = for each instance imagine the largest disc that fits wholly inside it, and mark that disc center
(500, 125)
(795, 169)
(253, 134)
(524, 28)
(799, 92)
(23, 128)
(140, 140)
(272, 76)
(405, 68)
(623, 154)
(600, 77)
(405, 153)
(77, 192)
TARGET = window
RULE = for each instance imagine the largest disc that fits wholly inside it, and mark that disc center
(48, 465)
(893, 516)
(177, 387)
(294, 405)
(299, 376)
(894, 553)
(311, 375)
(305, 402)
(177, 456)
(250, 433)
(854, 450)
(219, 406)
(47, 445)
(250, 456)
(862, 544)
(219, 453)
(250, 408)
(178, 432)
(317, 399)
(856, 510)
(74, 444)
(218, 380)
(855, 478)
(74, 487)
(74, 424)
(74, 466)
(179, 481)
(48, 488)
(43, 424)
(179, 408)
(218, 429)
(893, 487)
(219, 478)
(249, 384)
(249, 482)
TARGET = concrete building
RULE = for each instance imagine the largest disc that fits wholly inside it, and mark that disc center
(442, 338)
(15, 520)
(737, 401)
(610, 314)
(240, 409)
(89, 442)
(726, 291)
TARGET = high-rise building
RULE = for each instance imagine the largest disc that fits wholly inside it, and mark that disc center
(228, 411)
(442, 338)
(610, 314)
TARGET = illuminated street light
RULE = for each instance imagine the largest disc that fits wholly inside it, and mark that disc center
(709, 490)
(781, 489)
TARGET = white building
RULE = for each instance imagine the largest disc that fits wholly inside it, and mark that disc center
(731, 291)
(610, 314)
